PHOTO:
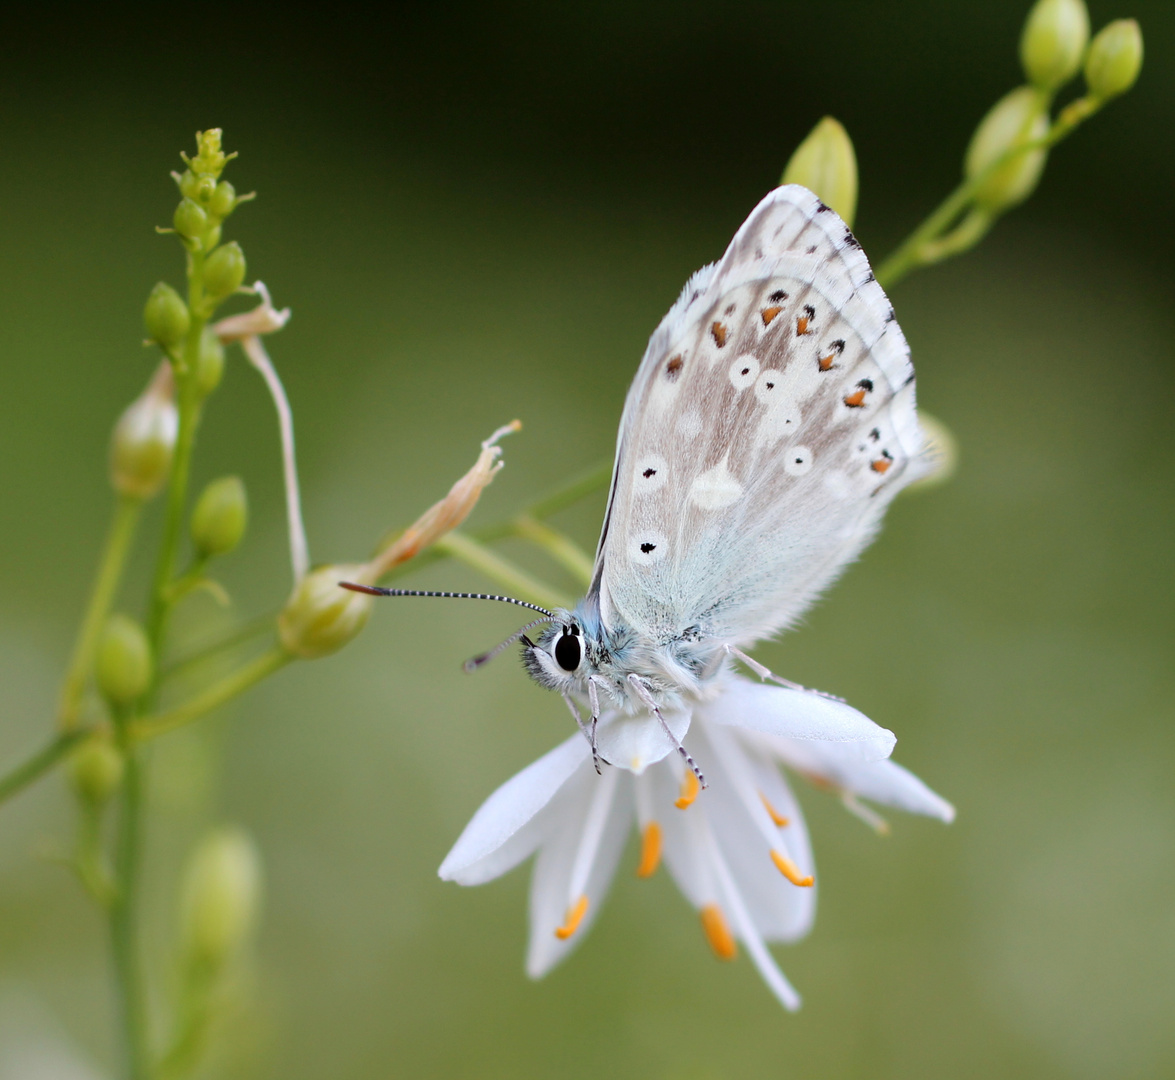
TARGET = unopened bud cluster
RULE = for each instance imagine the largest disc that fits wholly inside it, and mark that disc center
(1054, 49)
(205, 202)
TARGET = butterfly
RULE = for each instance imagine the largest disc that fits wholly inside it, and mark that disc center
(771, 422)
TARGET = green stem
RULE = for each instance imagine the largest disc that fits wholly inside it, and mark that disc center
(123, 913)
(237, 682)
(40, 763)
(238, 635)
(599, 477)
(563, 550)
(921, 248)
(505, 573)
(110, 567)
(189, 419)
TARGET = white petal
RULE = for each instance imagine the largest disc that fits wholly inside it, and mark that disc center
(746, 932)
(800, 714)
(884, 782)
(779, 910)
(509, 825)
(636, 742)
(555, 864)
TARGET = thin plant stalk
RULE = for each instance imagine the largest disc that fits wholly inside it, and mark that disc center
(110, 567)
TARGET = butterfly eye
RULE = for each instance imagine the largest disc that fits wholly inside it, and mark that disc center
(568, 650)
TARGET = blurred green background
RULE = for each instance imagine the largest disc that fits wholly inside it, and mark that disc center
(479, 212)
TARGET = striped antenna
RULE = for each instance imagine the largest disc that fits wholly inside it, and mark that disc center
(375, 590)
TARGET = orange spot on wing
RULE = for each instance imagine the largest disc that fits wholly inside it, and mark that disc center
(673, 368)
(881, 464)
(689, 791)
(718, 933)
(856, 399)
(789, 870)
(826, 361)
(650, 850)
(718, 331)
(801, 325)
(575, 916)
(769, 314)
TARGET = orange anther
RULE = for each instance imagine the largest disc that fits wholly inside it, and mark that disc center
(575, 916)
(718, 331)
(769, 313)
(801, 325)
(689, 791)
(774, 814)
(650, 850)
(856, 399)
(789, 869)
(718, 933)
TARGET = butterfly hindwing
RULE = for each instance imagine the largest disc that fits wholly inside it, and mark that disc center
(771, 421)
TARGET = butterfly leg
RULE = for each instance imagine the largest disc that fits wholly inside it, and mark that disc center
(594, 701)
(643, 692)
(584, 730)
(766, 673)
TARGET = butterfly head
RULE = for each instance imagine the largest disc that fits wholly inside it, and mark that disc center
(561, 658)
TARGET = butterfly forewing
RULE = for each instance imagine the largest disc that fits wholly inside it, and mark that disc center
(771, 421)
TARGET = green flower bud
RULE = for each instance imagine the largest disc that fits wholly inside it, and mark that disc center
(144, 439)
(1115, 59)
(211, 238)
(165, 316)
(1014, 120)
(826, 165)
(218, 521)
(95, 770)
(205, 189)
(221, 895)
(320, 618)
(210, 364)
(224, 200)
(189, 184)
(124, 666)
(1053, 42)
(189, 219)
(209, 160)
(224, 271)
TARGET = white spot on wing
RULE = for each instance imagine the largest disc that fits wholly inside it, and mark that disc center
(744, 371)
(646, 548)
(780, 420)
(797, 461)
(689, 426)
(715, 488)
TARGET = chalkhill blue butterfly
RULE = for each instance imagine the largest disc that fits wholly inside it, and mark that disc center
(770, 424)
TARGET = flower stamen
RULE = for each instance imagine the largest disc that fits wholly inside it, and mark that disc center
(774, 814)
(574, 917)
(789, 869)
(718, 932)
(650, 850)
(689, 791)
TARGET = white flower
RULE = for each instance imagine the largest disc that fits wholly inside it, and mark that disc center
(738, 850)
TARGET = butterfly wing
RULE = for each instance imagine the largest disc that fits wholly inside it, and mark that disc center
(770, 423)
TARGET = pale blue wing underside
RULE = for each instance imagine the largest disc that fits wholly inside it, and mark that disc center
(770, 423)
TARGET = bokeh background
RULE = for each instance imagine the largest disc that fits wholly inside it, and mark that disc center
(479, 212)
